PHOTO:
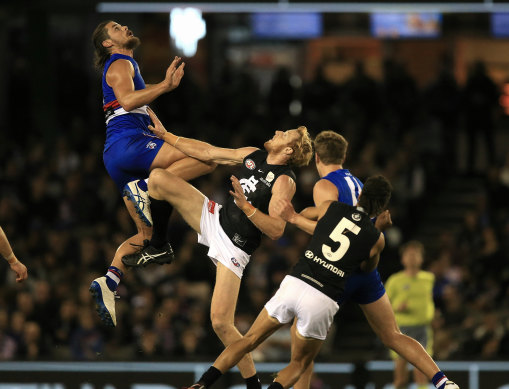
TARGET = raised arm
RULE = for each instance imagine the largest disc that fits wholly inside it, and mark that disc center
(270, 224)
(197, 149)
(6, 252)
(374, 255)
(120, 77)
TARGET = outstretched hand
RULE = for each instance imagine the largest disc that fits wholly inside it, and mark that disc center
(174, 73)
(238, 193)
(158, 128)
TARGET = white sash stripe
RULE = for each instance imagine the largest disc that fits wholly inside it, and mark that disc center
(113, 277)
(121, 111)
(441, 382)
(351, 185)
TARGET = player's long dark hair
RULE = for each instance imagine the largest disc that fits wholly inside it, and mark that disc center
(375, 195)
(101, 53)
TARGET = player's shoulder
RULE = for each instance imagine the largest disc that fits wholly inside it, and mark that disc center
(121, 64)
(325, 188)
(324, 183)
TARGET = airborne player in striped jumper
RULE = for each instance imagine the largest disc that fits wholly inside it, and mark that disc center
(130, 150)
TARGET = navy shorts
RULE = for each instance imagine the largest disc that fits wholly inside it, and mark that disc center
(363, 288)
(129, 158)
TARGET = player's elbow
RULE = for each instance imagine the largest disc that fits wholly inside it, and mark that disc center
(275, 235)
(127, 105)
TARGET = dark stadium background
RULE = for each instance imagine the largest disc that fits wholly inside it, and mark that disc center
(410, 108)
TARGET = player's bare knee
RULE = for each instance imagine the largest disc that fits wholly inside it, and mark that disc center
(155, 179)
(390, 338)
(220, 324)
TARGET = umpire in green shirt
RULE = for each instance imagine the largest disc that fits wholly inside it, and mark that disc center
(411, 294)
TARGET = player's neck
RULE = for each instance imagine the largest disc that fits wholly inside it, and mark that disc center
(323, 170)
(277, 159)
(124, 51)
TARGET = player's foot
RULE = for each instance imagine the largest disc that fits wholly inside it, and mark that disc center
(148, 255)
(104, 300)
(451, 385)
(139, 198)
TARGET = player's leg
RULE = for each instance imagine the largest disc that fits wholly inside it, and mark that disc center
(262, 328)
(315, 313)
(222, 313)
(304, 351)
(161, 155)
(304, 381)
(427, 342)
(103, 288)
(181, 166)
(420, 380)
(401, 373)
(165, 188)
(381, 318)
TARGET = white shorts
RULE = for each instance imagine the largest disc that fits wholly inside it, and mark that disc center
(221, 248)
(313, 309)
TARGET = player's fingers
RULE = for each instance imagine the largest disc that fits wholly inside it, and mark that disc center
(152, 115)
(174, 63)
(154, 130)
(237, 187)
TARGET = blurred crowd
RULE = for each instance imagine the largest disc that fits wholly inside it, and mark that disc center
(64, 216)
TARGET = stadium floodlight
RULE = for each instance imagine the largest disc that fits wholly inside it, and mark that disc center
(187, 27)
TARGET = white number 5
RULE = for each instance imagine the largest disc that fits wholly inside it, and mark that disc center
(338, 236)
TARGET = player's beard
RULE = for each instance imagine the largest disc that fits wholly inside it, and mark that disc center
(132, 43)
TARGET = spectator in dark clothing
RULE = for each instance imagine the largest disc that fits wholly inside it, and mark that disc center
(443, 99)
(480, 98)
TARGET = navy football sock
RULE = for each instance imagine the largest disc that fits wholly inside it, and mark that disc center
(161, 212)
(439, 380)
(113, 277)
